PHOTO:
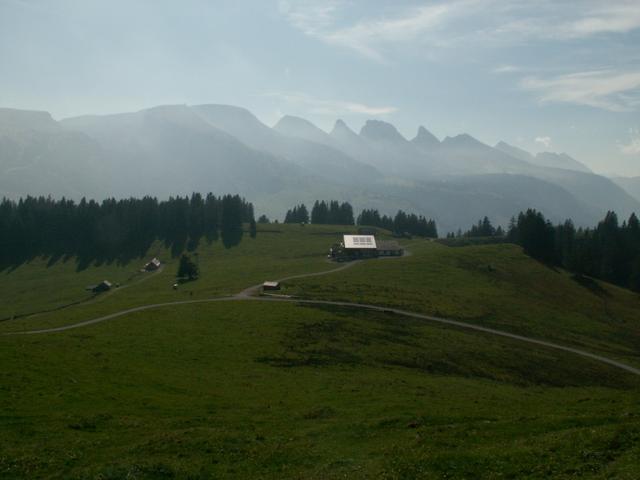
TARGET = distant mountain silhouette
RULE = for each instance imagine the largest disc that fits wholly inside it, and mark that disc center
(630, 184)
(379, 131)
(317, 158)
(38, 156)
(171, 149)
(425, 139)
(301, 128)
(544, 159)
(178, 149)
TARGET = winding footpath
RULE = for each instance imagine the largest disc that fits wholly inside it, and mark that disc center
(249, 294)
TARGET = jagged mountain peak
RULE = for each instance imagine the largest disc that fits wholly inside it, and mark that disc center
(463, 140)
(340, 128)
(299, 127)
(379, 130)
(340, 124)
(293, 121)
(425, 138)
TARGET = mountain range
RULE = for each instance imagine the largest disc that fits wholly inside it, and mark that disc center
(178, 149)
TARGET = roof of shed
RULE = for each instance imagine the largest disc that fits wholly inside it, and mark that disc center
(360, 241)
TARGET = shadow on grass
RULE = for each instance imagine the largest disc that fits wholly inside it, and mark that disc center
(106, 253)
(591, 285)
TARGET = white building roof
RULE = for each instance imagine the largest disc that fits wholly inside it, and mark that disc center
(360, 241)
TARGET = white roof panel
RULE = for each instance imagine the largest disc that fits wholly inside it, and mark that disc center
(360, 241)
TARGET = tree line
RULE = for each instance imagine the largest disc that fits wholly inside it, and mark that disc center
(126, 228)
(323, 212)
(402, 224)
(610, 251)
(117, 229)
(298, 214)
(332, 213)
(335, 213)
(484, 228)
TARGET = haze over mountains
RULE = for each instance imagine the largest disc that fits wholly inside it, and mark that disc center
(171, 150)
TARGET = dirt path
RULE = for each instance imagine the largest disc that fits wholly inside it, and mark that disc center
(92, 299)
(246, 295)
(248, 292)
(144, 276)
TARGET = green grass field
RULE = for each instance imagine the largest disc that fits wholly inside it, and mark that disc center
(496, 286)
(263, 390)
(279, 251)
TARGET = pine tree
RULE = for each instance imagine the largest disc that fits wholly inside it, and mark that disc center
(320, 213)
(298, 214)
(187, 269)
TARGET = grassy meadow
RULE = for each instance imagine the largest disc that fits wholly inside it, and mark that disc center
(278, 251)
(496, 286)
(239, 389)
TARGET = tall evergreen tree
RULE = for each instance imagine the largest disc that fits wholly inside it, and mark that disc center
(187, 268)
(298, 214)
(320, 213)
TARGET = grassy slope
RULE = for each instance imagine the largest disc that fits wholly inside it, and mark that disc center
(235, 390)
(245, 389)
(278, 251)
(493, 285)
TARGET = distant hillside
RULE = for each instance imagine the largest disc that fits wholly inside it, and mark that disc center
(460, 200)
(630, 184)
(544, 159)
(170, 150)
(307, 150)
(38, 156)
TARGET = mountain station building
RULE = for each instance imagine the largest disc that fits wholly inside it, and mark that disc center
(364, 246)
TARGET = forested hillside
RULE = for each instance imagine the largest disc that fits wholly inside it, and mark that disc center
(116, 229)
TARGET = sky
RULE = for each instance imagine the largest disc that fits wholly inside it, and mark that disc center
(544, 75)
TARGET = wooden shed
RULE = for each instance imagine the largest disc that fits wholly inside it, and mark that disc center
(152, 266)
(103, 286)
(389, 248)
(270, 286)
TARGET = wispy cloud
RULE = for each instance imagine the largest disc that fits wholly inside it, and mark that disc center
(369, 36)
(607, 89)
(506, 69)
(633, 147)
(310, 16)
(607, 17)
(318, 106)
(454, 22)
(565, 20)
(546, 141)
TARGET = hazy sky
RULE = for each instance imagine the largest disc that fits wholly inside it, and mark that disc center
(542, 75)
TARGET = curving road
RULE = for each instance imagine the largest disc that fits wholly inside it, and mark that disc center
(248, 292)
(247, 295)
(243, 295)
